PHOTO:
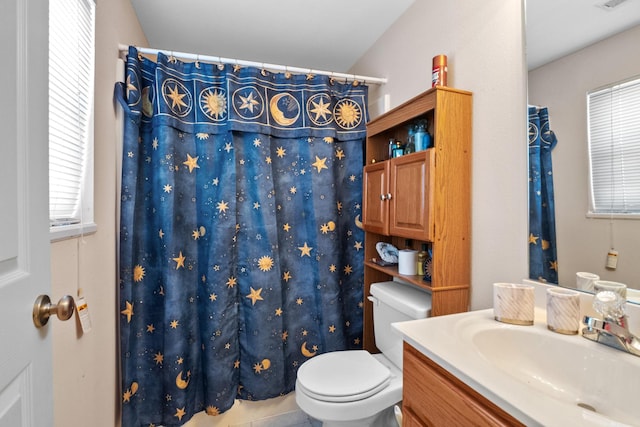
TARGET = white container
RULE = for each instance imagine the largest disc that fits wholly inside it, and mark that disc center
(563, 311)
(615, 287)
(408, 262)
(584, 280)
(513, 303)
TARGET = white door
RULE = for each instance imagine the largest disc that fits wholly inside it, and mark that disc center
(26, 387)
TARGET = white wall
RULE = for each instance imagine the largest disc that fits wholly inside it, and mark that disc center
(562, 86)
(483, 41)
(86, 388)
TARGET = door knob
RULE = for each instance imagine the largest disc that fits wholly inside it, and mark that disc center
(383, 197)
(43, 309)
(388, 196)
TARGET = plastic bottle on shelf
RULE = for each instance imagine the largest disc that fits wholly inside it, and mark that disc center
(410, 146)
(398, 149)
(422, 257)
(421, 137)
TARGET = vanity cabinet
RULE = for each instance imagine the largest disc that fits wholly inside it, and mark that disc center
(434, 397)
(423, 196)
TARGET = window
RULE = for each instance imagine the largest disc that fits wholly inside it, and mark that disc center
(71, 91)
(614, 148)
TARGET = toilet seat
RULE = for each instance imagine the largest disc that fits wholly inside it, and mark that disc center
(343, 376)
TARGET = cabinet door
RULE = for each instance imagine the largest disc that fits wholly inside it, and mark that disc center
(411, 186)
(409, 419)
(374, 195)
(437, 398)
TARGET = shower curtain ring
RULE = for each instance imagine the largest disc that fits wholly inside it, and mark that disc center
(197, 61)
(220, 64)
(331, 81)
(287, 74)
(236, 67)
(263, 71)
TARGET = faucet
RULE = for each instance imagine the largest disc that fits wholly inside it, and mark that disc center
(613, 329)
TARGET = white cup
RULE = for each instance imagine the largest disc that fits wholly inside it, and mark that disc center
(513, 303)
(615, 287)
(563, 311)
(584, 280)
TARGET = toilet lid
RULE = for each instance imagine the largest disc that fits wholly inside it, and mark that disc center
(343, 376)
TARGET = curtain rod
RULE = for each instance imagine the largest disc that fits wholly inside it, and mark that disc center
(264, 65)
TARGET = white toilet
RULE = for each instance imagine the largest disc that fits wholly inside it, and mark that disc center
(356, 388)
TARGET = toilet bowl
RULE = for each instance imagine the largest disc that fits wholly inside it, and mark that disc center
(354, 393)
(353, 387)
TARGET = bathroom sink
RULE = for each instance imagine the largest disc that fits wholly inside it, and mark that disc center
(570, 370)
(538, 376)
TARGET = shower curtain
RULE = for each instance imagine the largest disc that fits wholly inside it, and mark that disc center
(543, 260)
(240, 257)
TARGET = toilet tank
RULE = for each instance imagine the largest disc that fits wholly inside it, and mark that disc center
(396, 302)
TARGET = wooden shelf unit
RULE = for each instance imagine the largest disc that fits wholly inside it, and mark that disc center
(443, 204)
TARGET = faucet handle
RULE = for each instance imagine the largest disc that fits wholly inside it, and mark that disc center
(609, 304)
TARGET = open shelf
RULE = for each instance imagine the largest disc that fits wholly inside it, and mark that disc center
(393, 272)
(416, 280)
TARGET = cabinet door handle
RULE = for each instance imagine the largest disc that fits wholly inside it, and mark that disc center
(383, 197)
(388, 196)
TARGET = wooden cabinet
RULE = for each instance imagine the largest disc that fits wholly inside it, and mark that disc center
(375, 209)
(423, 196)
(398, 196)
(432, 396)
(409, 419)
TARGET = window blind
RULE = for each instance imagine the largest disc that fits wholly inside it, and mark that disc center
(71, 75)
(614, 148)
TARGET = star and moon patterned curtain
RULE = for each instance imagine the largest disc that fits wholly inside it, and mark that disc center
(543, 260)
(241, 252)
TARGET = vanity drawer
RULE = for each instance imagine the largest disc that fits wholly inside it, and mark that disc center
(434, 397)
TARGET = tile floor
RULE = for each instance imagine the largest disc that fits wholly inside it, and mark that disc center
(289, 419)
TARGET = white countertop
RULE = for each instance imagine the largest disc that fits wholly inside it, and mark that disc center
(449, 341)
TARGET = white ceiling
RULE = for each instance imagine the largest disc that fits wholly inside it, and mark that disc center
(326, 35)
(333, 34)
(556, 28)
